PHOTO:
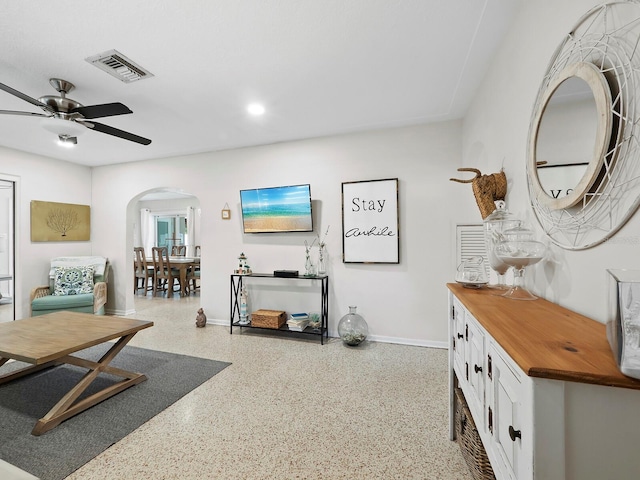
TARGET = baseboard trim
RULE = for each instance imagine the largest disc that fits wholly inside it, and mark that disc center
(408, 341)
(120, 313)
(224, 323)
(373, 338)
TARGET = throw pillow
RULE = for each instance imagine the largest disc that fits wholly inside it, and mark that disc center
(73, 280)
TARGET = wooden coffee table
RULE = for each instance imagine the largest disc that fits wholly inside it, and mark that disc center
(48, 340)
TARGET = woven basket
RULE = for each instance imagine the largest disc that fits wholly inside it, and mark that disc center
(268, 318)
(469, 440)
(501, 185)
(487, 189)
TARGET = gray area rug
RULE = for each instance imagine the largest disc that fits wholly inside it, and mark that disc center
(62, 450)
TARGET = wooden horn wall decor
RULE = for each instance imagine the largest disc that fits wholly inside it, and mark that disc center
(486, 188)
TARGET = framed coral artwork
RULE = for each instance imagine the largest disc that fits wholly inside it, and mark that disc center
(60, 222)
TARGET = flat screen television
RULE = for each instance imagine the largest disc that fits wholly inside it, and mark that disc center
(277, 209)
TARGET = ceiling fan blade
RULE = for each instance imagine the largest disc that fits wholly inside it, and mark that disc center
(13, 112)
(103, 110)
(24, 97)
(116, 132)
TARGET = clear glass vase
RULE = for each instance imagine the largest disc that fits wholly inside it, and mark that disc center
(309, 268)
(322, 268)
(352, 328)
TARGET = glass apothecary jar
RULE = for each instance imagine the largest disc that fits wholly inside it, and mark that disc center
(519, 249)
(352, 328)
(495, 225)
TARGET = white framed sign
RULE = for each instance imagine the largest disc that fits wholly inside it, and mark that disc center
(370, 230)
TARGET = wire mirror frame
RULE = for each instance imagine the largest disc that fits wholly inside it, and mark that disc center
(608, 37)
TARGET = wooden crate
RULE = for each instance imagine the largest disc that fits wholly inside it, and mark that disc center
(268, 318)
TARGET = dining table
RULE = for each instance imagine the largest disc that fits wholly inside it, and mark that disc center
(182, 264)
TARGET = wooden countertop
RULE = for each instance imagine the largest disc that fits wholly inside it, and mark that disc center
(545, 339)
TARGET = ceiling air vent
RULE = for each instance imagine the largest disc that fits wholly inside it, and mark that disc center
(116, 64)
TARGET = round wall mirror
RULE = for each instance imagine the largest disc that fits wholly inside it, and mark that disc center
(571, 136)
(583, 157)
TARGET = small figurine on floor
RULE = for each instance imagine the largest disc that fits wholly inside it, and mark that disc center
(201, 319)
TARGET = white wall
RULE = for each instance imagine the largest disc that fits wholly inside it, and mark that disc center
(179, 205)
(41, 178)
(495, 130)
(402, 303)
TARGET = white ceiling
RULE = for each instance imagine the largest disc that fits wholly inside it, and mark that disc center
(320, 67)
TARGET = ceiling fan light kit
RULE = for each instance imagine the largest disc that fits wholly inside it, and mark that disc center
(67, 141)
(62, 127)
(68, 118)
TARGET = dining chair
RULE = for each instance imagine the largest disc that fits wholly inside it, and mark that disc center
(142, 271)
(193, 278)
(178, 250)
(165, 275)
(196, 268)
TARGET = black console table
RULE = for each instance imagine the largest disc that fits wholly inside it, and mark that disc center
(236, 288)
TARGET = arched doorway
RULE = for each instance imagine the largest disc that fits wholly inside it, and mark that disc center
(162, 217)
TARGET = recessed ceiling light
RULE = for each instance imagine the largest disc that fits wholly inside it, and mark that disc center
(255, 109)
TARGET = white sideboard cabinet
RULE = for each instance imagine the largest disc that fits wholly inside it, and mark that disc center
(543, 388)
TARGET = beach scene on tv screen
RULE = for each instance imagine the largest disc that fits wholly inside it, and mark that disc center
(278, 209)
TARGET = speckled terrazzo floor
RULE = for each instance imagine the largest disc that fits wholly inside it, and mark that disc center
(288, 409)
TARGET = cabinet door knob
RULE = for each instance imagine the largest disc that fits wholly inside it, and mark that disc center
(477, 369)
(460, 335)
(514, 434)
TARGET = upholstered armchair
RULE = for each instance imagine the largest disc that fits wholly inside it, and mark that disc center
(76, 284)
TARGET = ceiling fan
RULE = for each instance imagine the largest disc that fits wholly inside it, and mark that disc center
(68, 118)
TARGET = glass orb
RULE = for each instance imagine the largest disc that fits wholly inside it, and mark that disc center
(352, 328)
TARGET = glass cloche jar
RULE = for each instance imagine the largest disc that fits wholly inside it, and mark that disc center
(519, 249)
(495, 225)
(352, 328)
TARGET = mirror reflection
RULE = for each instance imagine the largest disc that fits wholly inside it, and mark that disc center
(566, 137)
